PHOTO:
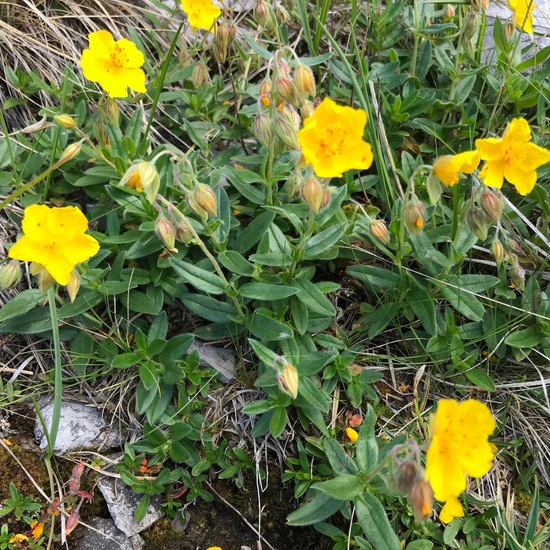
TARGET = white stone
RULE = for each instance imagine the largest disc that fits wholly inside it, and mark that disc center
(104, 535)
(220, 359)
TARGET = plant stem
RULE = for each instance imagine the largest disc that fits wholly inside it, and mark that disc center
(58, 375)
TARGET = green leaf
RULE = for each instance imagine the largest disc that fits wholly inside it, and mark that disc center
(464, 302)
(257, 407)
(372, 518)
(253, 232)
(317, 244)
(420, 545)
(200, 278)
(423, 306)
(313, 395)
(125, 360)
(373, 277)
(140, 302)
(241, 179)
(316, 509)
(481, 379)
(341, 462)
(236, 263)
(176, 347)
(526, 338)
(209, 308)
(266, 291)
(313, 298)
(366, 447)
(299, 314)
(266, 328)
(264, 354)
(344, 487)
(476, 283)
(142, 507)
(278, 421)
(148, 374)
(20, 304)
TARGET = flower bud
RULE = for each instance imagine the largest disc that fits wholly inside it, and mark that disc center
(498, 251)
(517, 277)
(71, 523)
(166, 232)
(100, 133)
(200, 76)
(307, 109)
(509, 28)
(73, 285)
(70, 152)
(206, 199)
(289, 113)
(183, 233)
(223, 36)
(281, 14)
(287, 133)
(184, 56)
(263, 129)
(264, 15)
(356, 420)
(379, 230)
(194, 205)
(112, 111)
(326, 196)
(287, 90)
(304, 81)
(312, 193)
(352, 435)
(65, 121)
(470, 26)
(513, 246)
(414, 216)
(448, 12)
(288, 380)
(478, 223)
(265, 91)
(142, 176)
(407, 474)
(283, 68)
(433, 186)
(492, 204)
(421, 499)
(10, 275)
(44, 279)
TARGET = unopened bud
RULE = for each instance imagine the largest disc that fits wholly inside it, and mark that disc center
(71, 523)
(326, 196)
(414, 216)
(289, 113)
(287, 133)
(288, 380)
(422, 499)
(492, 203)
(194, 205)
(142, 176)
(448, 12)
(166, 232)
(265, 91)
(70, 152)
(304, 81)
(264, 15)
(65, 121)
(184, 234)
(379, 230)
(283, 68)
(73, 285)
(206, 199)
(356, 420)
(478, 222)
(287, 90)
(509, 28)
(223, 36)
(44, 279)
(200, 75)
(307, 109)
(312, 193)
(498, 251)
(263, 129)
(74, 480)
(407, 474)
(10, 275)
(281, 14)
(470, 26)
(517, 276)
(100, 133)
(112, 111)
(513, 246)
(352, 435)
(184, 56)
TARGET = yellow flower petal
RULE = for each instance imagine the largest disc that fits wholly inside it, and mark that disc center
(523, 12)
(492, 174)
(353, 436)
(490, 148)
(201, 13)
(452, 509)
(517, 130)
(467, 162)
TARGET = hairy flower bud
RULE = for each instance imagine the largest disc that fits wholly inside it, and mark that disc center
(200, 76)
(379, 230)
(492, 204)
(312, 193)
(166, 232)
(263, 129)
(283, 68)
(264, 15)
(290, 114)
(287, 90)
(183, 233)
(288, 380)
(265, 91)
(223, 36)
(206, 199)
(498, 251)
(304, 81)
(10, 275)
(477, 219)
(112, 111)
(70, 152)
(448, 12)
(287, 133)
(407, 474)
(414, 215)
(100, 133)
(307, 109)
(517, 277)
(421, 499)
(73, 285)
(71, 523)
(65, 121)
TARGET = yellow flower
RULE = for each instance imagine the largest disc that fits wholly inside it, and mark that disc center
(19, 538)
(523, 13)
(214, 548)
(201, 13)
(114, 65)
(54, 238)
(449, 167)
(37, 528)
(332, 140)
(458, 448)
(352, 434)
(512, 157)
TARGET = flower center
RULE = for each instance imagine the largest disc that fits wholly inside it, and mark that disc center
(514, 154)
(119, 57)
(332, 142)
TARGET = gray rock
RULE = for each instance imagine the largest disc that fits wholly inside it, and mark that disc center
(104, 535)
(122, 503)
(80, 427)
(220, 359)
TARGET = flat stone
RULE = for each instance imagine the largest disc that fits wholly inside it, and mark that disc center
(104, 536)
(122, 503)
(220, 359)
(80, 427)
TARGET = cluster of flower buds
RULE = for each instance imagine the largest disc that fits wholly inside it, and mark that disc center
(508, 252)
(223, 38)
(315, 194)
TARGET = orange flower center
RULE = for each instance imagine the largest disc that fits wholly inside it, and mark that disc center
(514, 153)
(332, 142)
(134, 181)
(119, 57)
